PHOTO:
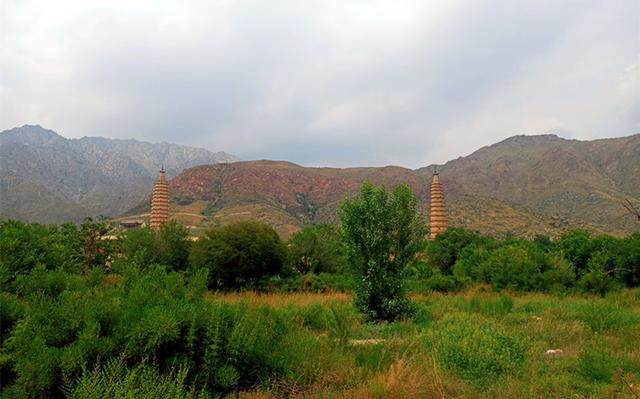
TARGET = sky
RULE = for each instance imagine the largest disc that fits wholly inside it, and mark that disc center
(328, 82)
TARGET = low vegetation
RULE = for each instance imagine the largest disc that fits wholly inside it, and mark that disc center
(364, 309)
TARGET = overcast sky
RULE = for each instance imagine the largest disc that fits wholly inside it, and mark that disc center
(339, 83)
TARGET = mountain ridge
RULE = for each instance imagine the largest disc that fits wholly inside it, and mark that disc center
(522, 185)
(68, 179)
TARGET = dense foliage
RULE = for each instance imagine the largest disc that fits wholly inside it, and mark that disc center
(139, 322)
(239, 255)
(575, 261)
(170, 246)
(318, 249)
(383, 233)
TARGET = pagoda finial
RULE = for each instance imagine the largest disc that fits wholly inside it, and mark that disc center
(435, 170)
(162, 168)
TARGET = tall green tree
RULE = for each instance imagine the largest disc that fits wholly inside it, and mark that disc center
(383, 233)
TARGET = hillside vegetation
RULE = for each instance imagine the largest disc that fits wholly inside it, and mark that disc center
(523, 186)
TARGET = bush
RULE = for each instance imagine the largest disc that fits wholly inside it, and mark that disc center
(115, 380)
(152, 317)
(23, 246)
(627, 260)
(477, 349)
(595, 363)
(518, 267)
(599, 277)
(239, 255)
(468, 263)
(434, 280)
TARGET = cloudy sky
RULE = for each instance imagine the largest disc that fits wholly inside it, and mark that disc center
(339, 83)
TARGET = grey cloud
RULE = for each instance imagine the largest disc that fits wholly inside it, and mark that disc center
(325, 82)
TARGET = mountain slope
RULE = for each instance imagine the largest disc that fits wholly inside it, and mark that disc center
(523, 185)
(47, 178)
(581, 180)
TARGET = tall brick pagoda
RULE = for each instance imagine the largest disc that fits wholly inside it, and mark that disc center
(438, 217)
(160, 202)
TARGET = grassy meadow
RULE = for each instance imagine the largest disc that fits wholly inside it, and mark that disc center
(364, 309)
(476, 344)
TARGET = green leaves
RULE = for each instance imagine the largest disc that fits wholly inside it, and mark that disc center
(383, 234)
(239, 254)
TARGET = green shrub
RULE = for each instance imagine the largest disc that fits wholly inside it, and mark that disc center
(468, 263)
(11, 310)
(23, 246)
(317, 249)
(560, 275)
(434, 280)
(170, 246)
(596, 363)
(446, 249)
(51, 283)
(239, 255)
(598, 278)
(517, 266)
(477, 349)
(115, 380)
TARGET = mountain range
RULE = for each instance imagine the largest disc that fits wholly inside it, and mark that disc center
(45, 177)
(523, 185)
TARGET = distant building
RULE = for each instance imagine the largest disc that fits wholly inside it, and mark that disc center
(131, 224)
(160, 202)
(437, 217)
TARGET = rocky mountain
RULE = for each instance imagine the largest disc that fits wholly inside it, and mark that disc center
(523, 185)
(47, 178)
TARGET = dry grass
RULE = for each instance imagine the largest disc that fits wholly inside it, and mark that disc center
(279, 299)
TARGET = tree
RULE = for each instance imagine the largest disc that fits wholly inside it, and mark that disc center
(141, 246)
(24, 246)
(444, 251)
(599, 276)
(169, 246)
(96, 251)
(174, 245)
(239, 254)
(317, 249)
(627, 260)
(576, 247)
(383, 234)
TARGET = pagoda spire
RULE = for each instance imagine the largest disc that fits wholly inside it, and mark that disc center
(160, 202)
(437, 216)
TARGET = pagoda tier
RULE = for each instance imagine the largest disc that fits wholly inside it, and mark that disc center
(160, 202)
(438, 217)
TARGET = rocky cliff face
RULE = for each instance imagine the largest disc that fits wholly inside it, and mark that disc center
(47, 178)
(523, 185)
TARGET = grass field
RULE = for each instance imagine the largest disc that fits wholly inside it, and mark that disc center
(476, 344)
